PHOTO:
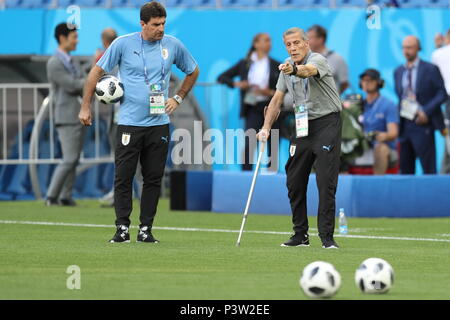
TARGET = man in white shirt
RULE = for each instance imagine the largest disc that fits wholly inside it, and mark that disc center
(441, 58)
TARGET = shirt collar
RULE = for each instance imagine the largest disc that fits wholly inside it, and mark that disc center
(254, 57)
(414, 64)
(64, 54)
(371, 104)
(325, 52)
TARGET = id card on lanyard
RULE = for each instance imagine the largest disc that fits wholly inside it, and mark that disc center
(301, 111)
(408, 108)
(157, 103)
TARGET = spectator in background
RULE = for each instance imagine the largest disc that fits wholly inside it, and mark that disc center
(258, 74)
(421, 91)
(66, 89)
(380, 122)
(441, 58)
(108, 36)
(317, 38)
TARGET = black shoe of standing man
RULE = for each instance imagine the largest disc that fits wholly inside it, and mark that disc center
(51, 202)
(67, 202)
(297, 240)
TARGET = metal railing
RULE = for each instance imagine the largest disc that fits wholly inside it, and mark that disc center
(22, 103)
(15, 114)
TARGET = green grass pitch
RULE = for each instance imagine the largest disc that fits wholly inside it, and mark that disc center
(206, 264)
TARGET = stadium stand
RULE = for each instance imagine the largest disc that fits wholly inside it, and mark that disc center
(82, 3)
(50, 4)
(351, 3)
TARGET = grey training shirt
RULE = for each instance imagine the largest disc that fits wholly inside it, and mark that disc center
(321, 97)
(338, 67)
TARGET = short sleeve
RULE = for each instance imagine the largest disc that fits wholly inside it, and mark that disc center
(281, 83)
(111, 57)
(392, 115)
(321, 64)
(183, 59)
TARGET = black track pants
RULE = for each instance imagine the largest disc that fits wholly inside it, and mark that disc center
(150, 146)
(322, 147)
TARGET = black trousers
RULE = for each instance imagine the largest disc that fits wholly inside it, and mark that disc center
(417, 142)
(322, 146)
(149, 145)
(254, 119)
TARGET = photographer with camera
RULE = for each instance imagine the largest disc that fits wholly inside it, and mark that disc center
(380, 122)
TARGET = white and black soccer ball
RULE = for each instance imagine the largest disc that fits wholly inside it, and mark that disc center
(109, 89)
(374, 275)
(320, 280)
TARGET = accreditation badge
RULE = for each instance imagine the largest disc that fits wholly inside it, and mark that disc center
(408, 109)
(301, 120)
(165, 53)
(126, 138)
(292, 149)
(157, 101)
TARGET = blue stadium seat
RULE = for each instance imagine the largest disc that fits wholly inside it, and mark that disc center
(120, 3)
(236, 3)
(6, 174)
(351, 3)
(412, 3)
(28, 4)
(247, 3)
(439, 3)
(82, 3)
(129, 3)
(423, 3)
(190, 3)
(304, 3)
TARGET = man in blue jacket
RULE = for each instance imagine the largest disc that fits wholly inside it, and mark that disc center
(421, 91)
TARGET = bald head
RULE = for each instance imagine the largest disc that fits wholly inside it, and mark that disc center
(411, 46)
(108, 36)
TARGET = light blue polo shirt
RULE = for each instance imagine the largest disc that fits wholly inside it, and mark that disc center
(378, 114)
(126, 52)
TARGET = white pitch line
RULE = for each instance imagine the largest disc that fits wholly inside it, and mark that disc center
(45, 223)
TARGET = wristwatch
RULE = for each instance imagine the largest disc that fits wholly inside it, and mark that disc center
(178, 99)
(294, 70)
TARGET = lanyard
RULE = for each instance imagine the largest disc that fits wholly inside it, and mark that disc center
(305, 83)
(147, 81)
(304, 87)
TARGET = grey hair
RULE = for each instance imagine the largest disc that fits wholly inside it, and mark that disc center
(293, 30)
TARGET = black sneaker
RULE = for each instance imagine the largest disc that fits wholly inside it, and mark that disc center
(51, 202)
(67, 202)
(329, 243)
(122, 235)
(297, 240)
(145, 235)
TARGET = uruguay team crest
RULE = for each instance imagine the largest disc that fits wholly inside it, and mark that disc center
(126, 138)
(292, 149)
(165, 53)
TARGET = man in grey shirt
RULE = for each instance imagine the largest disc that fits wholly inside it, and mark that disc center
(66, 88)
(308, 78)
(317, 36)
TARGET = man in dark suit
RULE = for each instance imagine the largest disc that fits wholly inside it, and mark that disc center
(258, 75)
(421, 91)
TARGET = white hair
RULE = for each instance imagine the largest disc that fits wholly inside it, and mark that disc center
(293, 30)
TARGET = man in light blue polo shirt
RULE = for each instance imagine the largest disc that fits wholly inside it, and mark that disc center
(380, 122)
(145, 59)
